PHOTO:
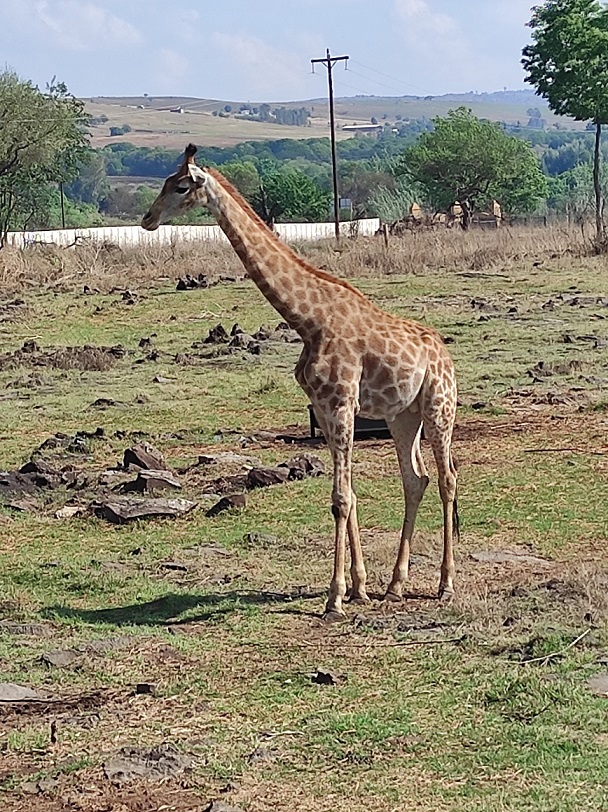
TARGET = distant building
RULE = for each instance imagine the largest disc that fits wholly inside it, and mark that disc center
(362, 128)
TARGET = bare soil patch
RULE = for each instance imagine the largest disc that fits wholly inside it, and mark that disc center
(84, 359)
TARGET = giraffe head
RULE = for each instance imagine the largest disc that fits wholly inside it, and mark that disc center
(184, 190)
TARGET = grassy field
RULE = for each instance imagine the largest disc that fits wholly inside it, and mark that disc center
(154, 125)
(152, 128)
(481, 705)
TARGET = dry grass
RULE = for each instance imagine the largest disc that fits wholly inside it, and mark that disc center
(106, 266)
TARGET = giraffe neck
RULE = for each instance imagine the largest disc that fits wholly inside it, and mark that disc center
(284, 279)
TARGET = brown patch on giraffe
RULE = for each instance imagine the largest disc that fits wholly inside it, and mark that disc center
(371, 365)
(383, 377)
(391, 393)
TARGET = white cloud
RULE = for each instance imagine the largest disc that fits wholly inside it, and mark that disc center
(80, 26)
(264, 70)
(439, 46)
(418, 15)
(172, 67)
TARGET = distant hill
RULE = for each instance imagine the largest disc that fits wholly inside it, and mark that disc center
(170, 121)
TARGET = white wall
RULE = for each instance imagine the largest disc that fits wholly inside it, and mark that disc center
(135, 235)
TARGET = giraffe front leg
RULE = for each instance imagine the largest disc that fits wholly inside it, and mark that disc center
(340, 439)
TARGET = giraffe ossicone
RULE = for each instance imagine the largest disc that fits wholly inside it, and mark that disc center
(357, 359)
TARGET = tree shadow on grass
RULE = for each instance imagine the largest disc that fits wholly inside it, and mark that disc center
(166, 611)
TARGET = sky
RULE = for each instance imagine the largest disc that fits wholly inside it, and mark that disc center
(260, 50)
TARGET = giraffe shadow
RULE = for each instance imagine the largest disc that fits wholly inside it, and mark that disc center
(168, 610)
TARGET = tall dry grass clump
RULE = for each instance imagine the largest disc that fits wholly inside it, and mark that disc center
(450, 250)
(105, 266)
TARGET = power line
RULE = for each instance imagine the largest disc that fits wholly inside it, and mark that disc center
(393, 78)
(375, 81)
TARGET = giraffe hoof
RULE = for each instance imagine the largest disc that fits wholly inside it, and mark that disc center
(359, 599)
(334, 616)
(393, 597)
(445, 594)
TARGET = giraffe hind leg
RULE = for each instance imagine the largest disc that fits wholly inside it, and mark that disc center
(406, 430)
(439, 434)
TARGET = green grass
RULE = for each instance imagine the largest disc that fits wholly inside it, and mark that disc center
(436, 708)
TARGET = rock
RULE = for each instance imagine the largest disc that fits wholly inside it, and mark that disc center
(39, 787)
(155, 764)
(10, 692)
(217, 335)
(228, 458)
(30, 629)
(260, 540)
(145, 688)
(226, 485)
(174, 566)
(148, 481)
(69, 511)
(242, 341)
(43, 474)
(265, 477)
(104, 645)
(104, 403)
(13, 483)
(60, 659)
(220, 806)
(327, 678)
(598, 685)
(235, 501)
(304, 465)
(144, 456)
(265, 333)
(119, 511)
(24, 505)
(191, 282)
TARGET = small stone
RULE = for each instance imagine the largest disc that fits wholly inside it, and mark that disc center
(598, 685)
(327, 678)
(145, 688)
(265, 477)
(144, 456)
(60, 659)
(10, 692)
(235, 501)
(150, 480)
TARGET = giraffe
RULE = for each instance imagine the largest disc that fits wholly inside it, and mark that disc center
(356, 359)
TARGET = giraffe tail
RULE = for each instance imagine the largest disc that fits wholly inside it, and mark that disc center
(455, 521)
(455, 516)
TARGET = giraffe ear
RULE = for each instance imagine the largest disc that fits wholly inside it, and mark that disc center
(197, 175)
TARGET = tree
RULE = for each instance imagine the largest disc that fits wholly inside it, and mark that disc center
(91, 183)
(568, 64)
(42, 143)
(473, 162)
(289, 194)
(245, 177)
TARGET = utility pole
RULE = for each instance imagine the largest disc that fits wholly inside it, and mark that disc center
(62, 204)
(329, 61)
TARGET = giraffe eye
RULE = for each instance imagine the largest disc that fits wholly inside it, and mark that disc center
(181, 190)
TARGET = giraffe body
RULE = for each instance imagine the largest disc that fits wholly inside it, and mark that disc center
(356, 359)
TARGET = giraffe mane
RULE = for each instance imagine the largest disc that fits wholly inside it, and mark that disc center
(246, 207)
